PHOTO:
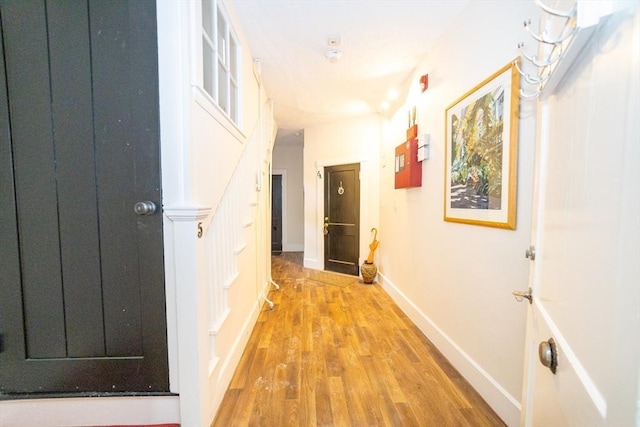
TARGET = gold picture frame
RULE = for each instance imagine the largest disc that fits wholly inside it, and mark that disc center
(481, 152)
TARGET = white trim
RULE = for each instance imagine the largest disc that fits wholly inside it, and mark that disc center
(86, 411)
(186, 297)
(293, 247)
(187, 213)
(204, 100)
(227, 369)
(503, 403)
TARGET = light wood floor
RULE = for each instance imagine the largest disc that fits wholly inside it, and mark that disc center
(343, 356)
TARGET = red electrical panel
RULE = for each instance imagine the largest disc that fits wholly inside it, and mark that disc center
(408, 169)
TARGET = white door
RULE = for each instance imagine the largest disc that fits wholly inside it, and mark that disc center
(586, 273)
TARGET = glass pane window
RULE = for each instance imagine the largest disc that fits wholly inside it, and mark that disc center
(220, 59)
(222, 37)
(233, 57)
(233, 96)
(207, 18)
(207, 68)
(223, 88)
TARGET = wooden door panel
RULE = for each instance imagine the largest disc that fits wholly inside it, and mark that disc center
(342, 208)
(85, 275)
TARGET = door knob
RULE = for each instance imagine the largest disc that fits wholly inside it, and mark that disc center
(548, 354)
(530, 253)
(519, 295)
(144, 208)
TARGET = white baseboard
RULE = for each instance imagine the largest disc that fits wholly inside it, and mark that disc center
(230, 364)
(506, 406)
(90, 411)
(293, 247)
(312, 263)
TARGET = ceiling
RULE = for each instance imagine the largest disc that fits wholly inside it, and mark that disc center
(381, 43)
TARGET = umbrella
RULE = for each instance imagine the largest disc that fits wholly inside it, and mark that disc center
(373, 246)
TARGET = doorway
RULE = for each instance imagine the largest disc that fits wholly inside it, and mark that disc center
(276, 214)
(342, 218)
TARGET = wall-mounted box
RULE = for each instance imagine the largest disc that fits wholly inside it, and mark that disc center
(408, 169)
(423, 147)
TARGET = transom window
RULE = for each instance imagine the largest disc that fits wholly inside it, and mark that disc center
(220, 52)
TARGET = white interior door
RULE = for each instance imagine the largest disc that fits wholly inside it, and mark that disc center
(586, 274)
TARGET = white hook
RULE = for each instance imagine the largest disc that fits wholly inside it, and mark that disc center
(529, 78)
(534, 59)
(563, 14)
(536, 94)
(543, 37)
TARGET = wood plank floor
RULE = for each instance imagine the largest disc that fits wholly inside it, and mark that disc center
(343, 356)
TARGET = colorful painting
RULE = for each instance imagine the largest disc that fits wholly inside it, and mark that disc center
(481, 153)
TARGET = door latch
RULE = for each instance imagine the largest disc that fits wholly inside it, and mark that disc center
(520, 295)
(325, 230)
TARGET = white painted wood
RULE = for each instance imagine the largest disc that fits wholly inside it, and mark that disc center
(92, 411)
(585, 276)
(191, 309)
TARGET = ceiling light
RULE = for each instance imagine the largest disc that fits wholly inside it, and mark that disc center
(393, 94)
(333, 55)
(384, 106)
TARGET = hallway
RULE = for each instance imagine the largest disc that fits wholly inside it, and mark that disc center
(343, 356)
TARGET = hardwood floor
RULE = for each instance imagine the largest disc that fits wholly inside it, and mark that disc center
(343, 356)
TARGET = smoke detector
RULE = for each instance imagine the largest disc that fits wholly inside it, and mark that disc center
(333, 55)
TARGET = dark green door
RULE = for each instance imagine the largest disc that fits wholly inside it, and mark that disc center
(82, 300)
(342, 218)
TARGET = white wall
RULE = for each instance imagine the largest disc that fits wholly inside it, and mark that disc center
(287, 160)
(455, 280)
(343, 142)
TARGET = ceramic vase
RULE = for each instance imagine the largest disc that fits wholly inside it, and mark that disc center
(368, 271)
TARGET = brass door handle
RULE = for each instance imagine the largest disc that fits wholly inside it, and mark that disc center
(325, 230)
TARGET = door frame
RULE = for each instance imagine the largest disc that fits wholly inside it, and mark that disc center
(283, 173)
(364, 202)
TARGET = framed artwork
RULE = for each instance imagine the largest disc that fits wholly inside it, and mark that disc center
(481, 152)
